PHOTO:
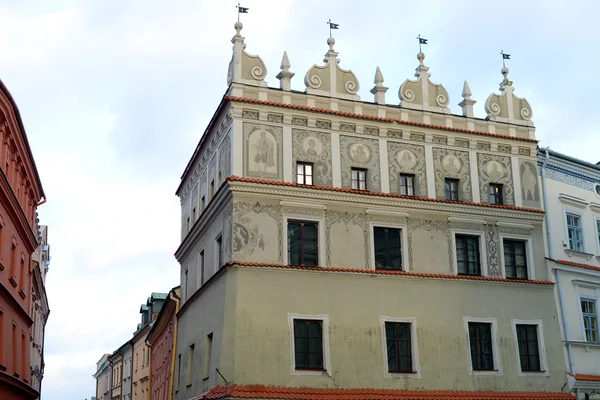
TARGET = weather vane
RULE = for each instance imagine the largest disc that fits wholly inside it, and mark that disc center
(241, 10)
(332, 26)
(421, 41)
(504, 57)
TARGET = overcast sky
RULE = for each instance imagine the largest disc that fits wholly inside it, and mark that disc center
(116, 94)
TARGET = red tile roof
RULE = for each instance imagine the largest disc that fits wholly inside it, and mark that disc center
(362, 116)
(386, 272)
(572, 264)
(586, 377)
(270, 392)
(234, 178)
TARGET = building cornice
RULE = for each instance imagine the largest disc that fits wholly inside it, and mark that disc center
(373, 118)
(17, 304)
(568, 168)
(576, 267)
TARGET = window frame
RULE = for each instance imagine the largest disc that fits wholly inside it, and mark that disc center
(320, 234)
(597, 226)
(581, 316)
(452, 180)
(304, 164)
(307, 337)
(324, 318)
(414, 348)
(499, 195)
(201, 279)
(541, 347)
(568, 212)
(528, 253)
(359, 170)
(406, 187)
(482, 250)
(496, 356)
(219, 251)
(404, 244)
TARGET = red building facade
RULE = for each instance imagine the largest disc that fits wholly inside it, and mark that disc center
(20, 194)
(161, 339)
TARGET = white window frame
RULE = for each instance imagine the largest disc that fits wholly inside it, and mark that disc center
(545, 371)
(324, 318)
(403, 245)
(416, 366)
(321, 232)
(495, 355)
(482, 249)
(588, 297)
(597, 228)
(528, 253)
(566, 225)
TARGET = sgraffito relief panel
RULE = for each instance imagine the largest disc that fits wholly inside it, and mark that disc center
(495, 169)
(224, 159)
(360, 153)
(257, 232)
(433, 235)
(406, 158)
(530, 191)
(492, 244)
(347, 239)
(227, 233)
(263, 151)
(449, 163)
(314, 147)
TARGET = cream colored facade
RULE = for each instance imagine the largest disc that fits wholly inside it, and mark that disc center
(572, 190)
(141, 365)
(239, 297)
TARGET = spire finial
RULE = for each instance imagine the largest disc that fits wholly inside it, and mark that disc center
(466, 92)
(285, 62)
(379, 90)
(378, 77)
(285, 75)
(238, 27)
(467, 103)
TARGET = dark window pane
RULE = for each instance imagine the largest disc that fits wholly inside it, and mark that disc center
(480, 339)
(398, 341)
(467, 255)
(388, 248)
(528, 347)
(308, 344)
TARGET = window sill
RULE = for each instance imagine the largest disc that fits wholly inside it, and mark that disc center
(188, 385)
(579, 254)
(402, 372)
(310, 369)
(205, 378)
(459, 274)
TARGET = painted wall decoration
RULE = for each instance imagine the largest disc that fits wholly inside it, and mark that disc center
(495, 169)
(315, 147)
(409, 159)
(342, 226)
(224, 159)
(262, 151)
(257, 228)
(360, 153)
(418, 229)
(450, 163)
(530, 191)
(492, 240)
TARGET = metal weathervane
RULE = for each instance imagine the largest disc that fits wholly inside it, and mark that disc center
(421, 41)
(241, 10)
(332, 26)
(504, 57)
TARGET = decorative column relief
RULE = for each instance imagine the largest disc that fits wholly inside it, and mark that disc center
(336, 159)
(474, 176)
(237, 162)
(384, 166)
(430, 171)
(514, 163)
(288, 167)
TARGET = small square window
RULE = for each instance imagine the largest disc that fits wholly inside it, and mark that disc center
(359, 179)
(308, 344)
(407, 184)
(451, 189)
(304, 173)
(495, 195)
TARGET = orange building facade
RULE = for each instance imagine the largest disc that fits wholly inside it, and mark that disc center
(20, 194)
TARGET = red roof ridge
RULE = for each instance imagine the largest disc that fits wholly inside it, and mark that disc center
(278, 392)
(573, 264)
(385, 272)
(234, 178)
(382, 119)
(586, 377)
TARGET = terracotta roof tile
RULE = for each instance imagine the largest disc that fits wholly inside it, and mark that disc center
(572, 264)
(379, 194)
(385, 272)
(362, 116)
(271, 392)
(586, 377)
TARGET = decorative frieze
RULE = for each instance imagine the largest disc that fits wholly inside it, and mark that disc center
(300, 121)
(392, 133)
(277, 118)
(323, 124)
(370, 130)
(504, 148)
(351, 128)
(461, 143)
(524, 151)
(483, 146)
(439, 139)
(417, 137)
(250, 114)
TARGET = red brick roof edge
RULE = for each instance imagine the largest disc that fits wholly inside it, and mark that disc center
(234, 178)
(381, 119)
(271, 392)
(586, 377)
(385, 272)
(572, 264)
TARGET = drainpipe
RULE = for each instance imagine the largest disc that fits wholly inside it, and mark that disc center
(551, 255)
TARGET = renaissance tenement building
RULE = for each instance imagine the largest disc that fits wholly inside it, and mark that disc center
(331, 243)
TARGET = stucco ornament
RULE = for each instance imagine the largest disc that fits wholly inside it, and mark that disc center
(330, 79)
(422, 94)
(243, 67)
(360, 153)
(506, 107)
(450, 163)
(409, 159)
(314, 147)
(495, 169)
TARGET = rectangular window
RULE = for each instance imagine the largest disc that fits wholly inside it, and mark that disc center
(303, 246)
(590, 320)
(178, 372)
(515, 259)
(202, 204)
(597, 230)
(188, 224)
(193, 215)
(407, 184)
(201, 261)
(219, 251)
(467, 255)
(388, 248)
(359, 179)
(575, 232)
(190, 363)
(495, 195)
(212, 189)
(480, 338)
(308, 344)
(451, 189)
(207, 354)
(529, 351)
(186, 292)
(304, 173)
(398, 342)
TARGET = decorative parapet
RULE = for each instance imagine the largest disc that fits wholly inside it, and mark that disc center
(243, 67)
(422, 94)
(506, 107)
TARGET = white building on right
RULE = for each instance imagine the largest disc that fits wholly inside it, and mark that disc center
(571, 192)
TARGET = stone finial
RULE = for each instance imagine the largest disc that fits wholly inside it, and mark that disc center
(243, 67)
(285, 75)
(506, 107)
(467, 103)
(379, 90)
